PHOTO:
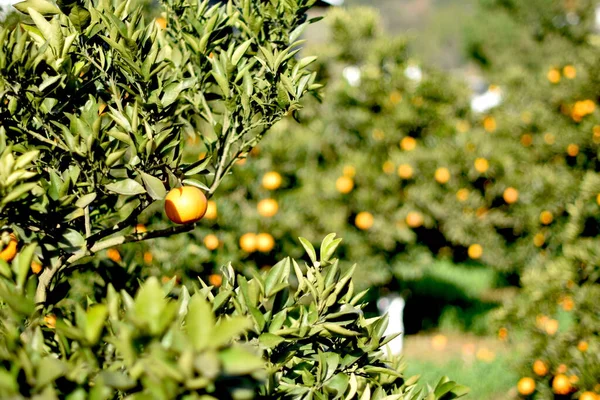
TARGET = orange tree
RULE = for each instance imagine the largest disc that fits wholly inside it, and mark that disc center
(97, 104)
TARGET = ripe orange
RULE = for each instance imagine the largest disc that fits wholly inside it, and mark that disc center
(344, 184)
(211, 210)
(582, 346)
(540, 368)
(502, 333)
(364, 220)
(349, 171)
(598, 199)
(539, 239)
(553, 75)
(408, 143)
(442, 175)
(511, 195)
(267, 207)
(567, 303)
(481, 165)
(462, 194)
(489, 124)
(573, 379)
(561, 384)
(572, 150)
(10, 250)
(271, 180)
(211, 242)
(215, 279)
(185, 205)
(114, 255)
(551, 326)
(414, 219)
(526, 386)
(50, 321)
(569, 72)
(526, 140)
(148, 257)
(264, 242)
(388, 167)
(36, 267)
(140, 228)
(405, 171)
(546, 217)
(588, 396)
(561, 369)
(161, 22)
(475, 251)
(248, 242)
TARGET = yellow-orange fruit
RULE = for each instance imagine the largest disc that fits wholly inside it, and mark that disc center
(546, 217)
(50, 321)
(462, 194)
(526, 140)
(502, 333)
(215, 280)
(344, 184)
(442, 175)
(567, 303)
(569, 72)
(489, 124)
(161, 22)
(405, 171)
(553, 75)
(388, 167)
(582, 346)
(114, 255)
(9, 251)
(561, 369)
(439, 342)
(551, 326)
(268, 207)
(148, 257)
(549, 138)
(408, 143)
(271, 180)
(349, 171)
(211, 210)
(395, 97)
(561, 384)
(248, 242)
(185, 205)
(481, 165)
(526, 386)
(36, 267)
(475, 251)
(211, 242)
(511, 195)
(265, 242)
(572, 150)
(364, 220)
(414, 219)
(140, 228)
(539, 239)
(598, 199)
(588, 396)
(540, 368)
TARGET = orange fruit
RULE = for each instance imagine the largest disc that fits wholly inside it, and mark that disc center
(475, 251)
(439, 342)
(10, 250)
(140, 228)
(161, 22)
(546, 217)
(573, 379)
(211, 210)
(526, 140)
(211, 242)
(36, 267)
(502, 333)
(540, 368)
(481, 165)
(526, 386)
(462, 194)
(489, 124)
(569, 72)
(553, 75)
(572, 150)
(264, 242)
(271, 180)
(248, 242)
(549, 138)
(588, 396)
(114, 255)
(215, 280)
(408, 143)
(349, 171)
(414, 219)
(344, 184)
(511, 195)
(395, 97)
(567, 303)
(442, 175)
(582, 346)
(551, 326)
(388, 167)
(50, 321)
(185, 205)
(561, 384)
(598, 199)
(364, 220)
(268, 207)
(405, 171)
(539, 239)
(148, 257)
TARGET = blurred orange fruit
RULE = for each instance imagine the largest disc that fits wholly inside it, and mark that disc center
(486, 355)
(561, 384)
(526, 140)
(148, 257)
(553, 75)
(462, 194)
(475, 251)
(36, 267)
(408, 143)
(114, 255)
(211, 242)
(540, 368)
(481, 165)
(248, 242)
(567, 303)
(268, 207)
(549, 138)
(546, 217)
(442, 175)
(526, 386)
(502, 333)
(388, 167)
(561, 369)
(588, 396)
(439, 342)
(551, 326)
(582, 346)
(598, 199)
(211, 210)
(271, 180)
(215, 280)
(50, 321)
(349, 171)
(185, 205)
(572, 150)
(10, 250)
(489, 124)
(364, 220)
(344, 184)
(539, 239)
(510, 195)
(569, 72)
(395, 97)
(140, 228)
(264, 242)
(161, 22)
(405, 171)
(414, 219)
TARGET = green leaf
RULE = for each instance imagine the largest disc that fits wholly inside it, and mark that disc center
(80, 17)
(26, 159)
(200, 322)
(229, 329)
(309, 249)
(23, 263)
(238, 361)
(94, 322)
(126, 187)
(328, 246)
(270, 340)
(240, 51)
(18, 192)
(154, 186)
(49, 369)
(86, 200)
(41, 6)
